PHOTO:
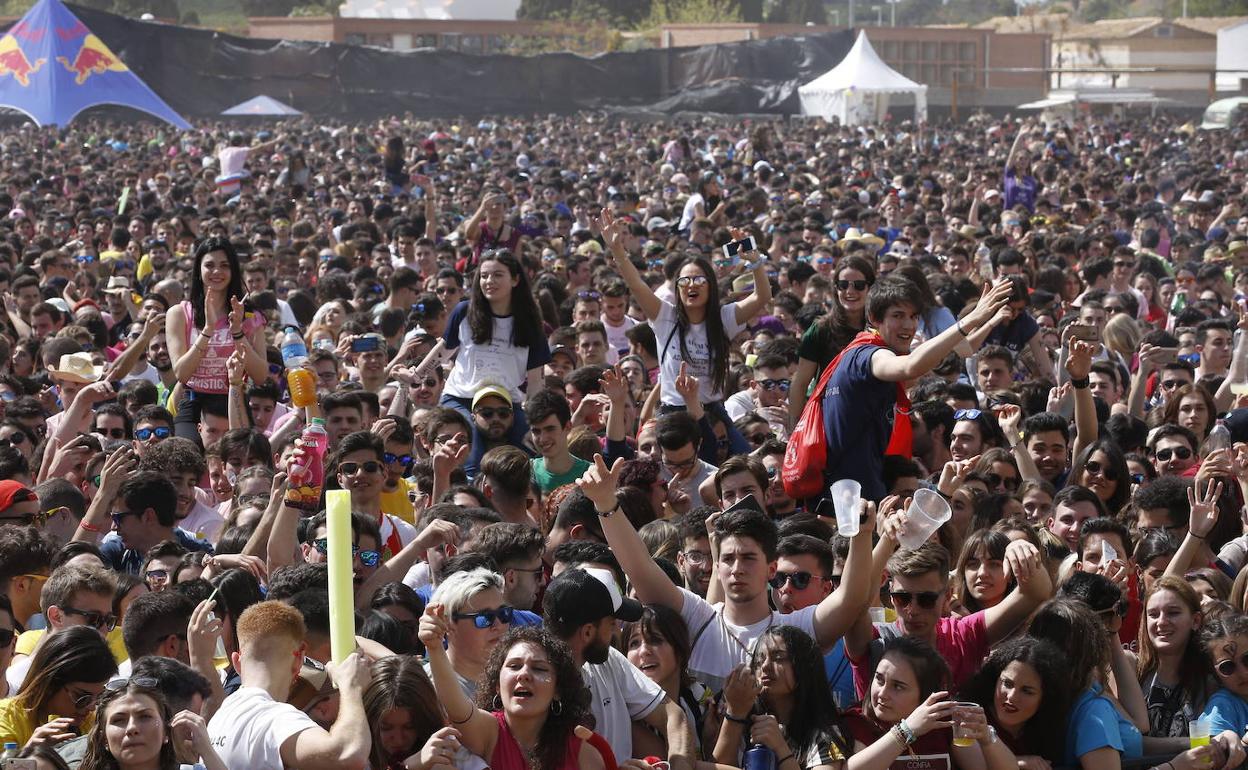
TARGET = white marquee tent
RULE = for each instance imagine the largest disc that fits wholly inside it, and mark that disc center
(857, 90)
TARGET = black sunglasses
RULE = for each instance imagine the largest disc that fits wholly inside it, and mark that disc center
(486, 618)
(1227, 667)
(112, 432)
(1181, 452)
(490, 412)
(6, 636)
(101, 621)
(858, 285)
(926, 599)
(800, 580)
(1092, 466)
(350, 469)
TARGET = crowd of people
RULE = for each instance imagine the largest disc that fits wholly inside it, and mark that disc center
(587, 383)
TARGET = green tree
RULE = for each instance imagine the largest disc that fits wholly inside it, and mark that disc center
(798, 12)
(543, 10)
(691, 12)
(268, 7)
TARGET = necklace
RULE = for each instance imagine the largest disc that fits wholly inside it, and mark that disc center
(771, 619)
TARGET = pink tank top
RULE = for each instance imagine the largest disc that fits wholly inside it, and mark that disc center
(210, 376)
(509, 756)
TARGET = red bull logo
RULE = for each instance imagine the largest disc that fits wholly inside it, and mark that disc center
(93, 58)
(13, 61)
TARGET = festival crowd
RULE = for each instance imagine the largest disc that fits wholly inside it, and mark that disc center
(588, 383)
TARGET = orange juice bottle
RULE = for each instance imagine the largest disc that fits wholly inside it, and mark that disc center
(302, 385)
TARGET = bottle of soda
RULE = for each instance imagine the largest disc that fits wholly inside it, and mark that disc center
(304, 487)
(294, 351)
(302, 384)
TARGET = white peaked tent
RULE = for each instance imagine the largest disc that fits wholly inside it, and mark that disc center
(262, 105)
(856, 91)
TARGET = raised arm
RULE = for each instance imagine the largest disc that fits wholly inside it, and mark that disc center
(1203, 518)
(436, 533)
(346, 745)
(236, 407)
(1010, 418)
(478, 728)
(1238, 372)
(1034, 588)
(612, 230)
(890, 367)
(835, 615)
(125, 363)
(760, 298)
(1078, 364)
(858, 637)
(117, 468)
(258, 543)
(652, 584)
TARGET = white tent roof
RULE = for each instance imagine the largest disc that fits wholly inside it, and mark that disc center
(862, 69)
(262, 105)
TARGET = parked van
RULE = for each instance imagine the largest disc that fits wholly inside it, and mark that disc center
(1225, 113)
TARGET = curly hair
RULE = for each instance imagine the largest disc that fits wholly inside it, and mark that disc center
(1045, 733)
(570, 690)
(98, 756)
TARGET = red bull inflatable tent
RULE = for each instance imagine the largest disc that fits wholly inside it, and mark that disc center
(52, 68)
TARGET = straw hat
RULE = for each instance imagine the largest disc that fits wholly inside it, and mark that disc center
(870, 239)
(77, 367)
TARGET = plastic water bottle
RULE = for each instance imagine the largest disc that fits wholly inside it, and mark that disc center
(759, 757)
(984, 255)
(294, 351)
(1219, 438)
(11, 751)
(304, 489)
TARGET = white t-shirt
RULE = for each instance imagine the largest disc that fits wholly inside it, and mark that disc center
(498, 362)
(250, 728)
(617, 338)
(204, 522)
(699, 363)
(739, 404)
(691, 210)
(618, 694)
(148, 373)
(720, 646)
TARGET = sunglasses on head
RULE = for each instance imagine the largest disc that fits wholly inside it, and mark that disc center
(143, 434)
(781, 385)
(1119, 609)
(490, 412)
(800, 580)
(368, 466)
(967, 414)
(486, 618)
(1227, 667)
(858, 285)
(589, 295)
(367, 558)
(1181, 452)
(925, 599)
(1092, 466)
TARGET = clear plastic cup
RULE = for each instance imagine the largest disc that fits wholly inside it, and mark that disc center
(961, 735)
(846, 495)
(927, 511)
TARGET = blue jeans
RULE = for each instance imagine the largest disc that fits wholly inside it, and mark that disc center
(519, 427)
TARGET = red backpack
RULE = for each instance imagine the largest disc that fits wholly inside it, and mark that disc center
(806, 456)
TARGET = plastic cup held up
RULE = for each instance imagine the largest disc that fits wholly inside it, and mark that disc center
(846, 496)
(927, 511)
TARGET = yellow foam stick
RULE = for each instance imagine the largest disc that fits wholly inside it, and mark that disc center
(341, 584)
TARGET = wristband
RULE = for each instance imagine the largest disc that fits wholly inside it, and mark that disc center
(605, 514)
(1080, 384)
(897, 736)
(784, 759)
(238, 336)
(906, 732)
(90, 528)
(738, 720)
(960, 329)
(1193, 534)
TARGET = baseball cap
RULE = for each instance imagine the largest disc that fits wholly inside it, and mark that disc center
(587, 595)
(491, 390)
(12, 492)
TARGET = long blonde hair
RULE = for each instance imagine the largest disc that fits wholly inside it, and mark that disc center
(1122, 335)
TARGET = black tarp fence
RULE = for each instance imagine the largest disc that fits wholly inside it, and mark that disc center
(200, 73)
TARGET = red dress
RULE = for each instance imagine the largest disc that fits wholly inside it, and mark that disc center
(509, 756)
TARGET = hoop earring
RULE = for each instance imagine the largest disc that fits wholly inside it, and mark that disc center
(497, 703)
(556, 707)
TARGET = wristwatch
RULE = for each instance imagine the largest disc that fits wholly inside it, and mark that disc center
(1081, 383)
(615, 508)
